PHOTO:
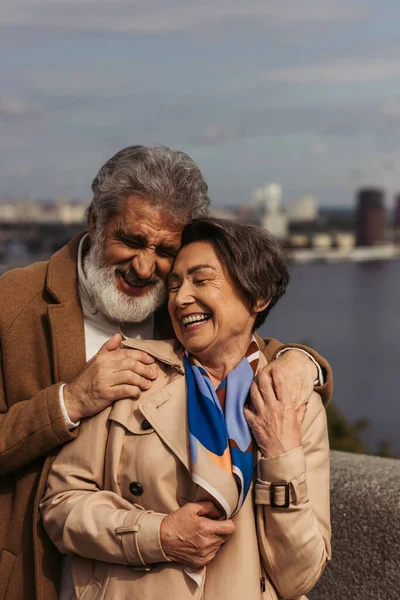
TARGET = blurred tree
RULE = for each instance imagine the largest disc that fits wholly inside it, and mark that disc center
(345, 436)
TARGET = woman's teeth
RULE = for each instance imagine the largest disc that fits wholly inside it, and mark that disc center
(192, 319)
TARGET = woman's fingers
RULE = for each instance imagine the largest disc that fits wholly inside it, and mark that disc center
(280, 387)
(261, 391)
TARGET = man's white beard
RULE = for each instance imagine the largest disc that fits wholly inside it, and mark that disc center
(109, 300)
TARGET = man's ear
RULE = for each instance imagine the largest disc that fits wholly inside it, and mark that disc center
(92, 224)
(261, 305)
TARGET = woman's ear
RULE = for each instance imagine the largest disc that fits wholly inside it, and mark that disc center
(261, 305)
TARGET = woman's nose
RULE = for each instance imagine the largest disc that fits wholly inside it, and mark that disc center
(183, 296)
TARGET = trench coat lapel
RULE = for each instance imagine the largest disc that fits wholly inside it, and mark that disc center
(166, 411)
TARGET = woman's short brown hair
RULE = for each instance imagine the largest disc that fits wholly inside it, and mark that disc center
(253, 258)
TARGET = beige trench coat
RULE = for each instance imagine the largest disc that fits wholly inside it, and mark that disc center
(91, 508)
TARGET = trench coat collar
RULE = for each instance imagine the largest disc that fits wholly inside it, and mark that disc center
(165, 409)
(169, 352)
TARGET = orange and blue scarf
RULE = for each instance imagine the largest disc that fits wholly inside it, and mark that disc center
(220, 439)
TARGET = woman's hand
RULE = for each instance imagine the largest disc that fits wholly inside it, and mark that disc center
(272, 415)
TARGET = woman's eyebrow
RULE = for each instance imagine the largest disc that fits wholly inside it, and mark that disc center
(198, 267)
(174, 275)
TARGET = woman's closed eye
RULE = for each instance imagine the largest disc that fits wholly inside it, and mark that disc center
(199, 281)
(173, 286)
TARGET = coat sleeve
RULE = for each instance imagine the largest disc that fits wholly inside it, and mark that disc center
(325, 391)
(294, 542)
(82, 518)
(30, 428)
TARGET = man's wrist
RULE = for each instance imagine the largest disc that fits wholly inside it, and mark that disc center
(71, 424)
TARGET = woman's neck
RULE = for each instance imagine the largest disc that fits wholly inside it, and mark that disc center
(219, 363)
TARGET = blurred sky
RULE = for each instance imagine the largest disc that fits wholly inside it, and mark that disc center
(302, 92)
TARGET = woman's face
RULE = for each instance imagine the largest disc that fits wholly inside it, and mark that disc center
(209, 314)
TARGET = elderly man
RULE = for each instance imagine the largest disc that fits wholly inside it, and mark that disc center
(61, 326)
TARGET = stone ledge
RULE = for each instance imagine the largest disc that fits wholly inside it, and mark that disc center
(365, 500)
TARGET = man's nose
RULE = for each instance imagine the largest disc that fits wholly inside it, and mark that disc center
(144, 264)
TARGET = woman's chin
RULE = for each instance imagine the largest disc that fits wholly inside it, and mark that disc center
(195, 347)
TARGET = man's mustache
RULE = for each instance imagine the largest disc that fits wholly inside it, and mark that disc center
(132, 278)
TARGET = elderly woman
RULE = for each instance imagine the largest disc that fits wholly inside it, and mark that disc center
(215, 484)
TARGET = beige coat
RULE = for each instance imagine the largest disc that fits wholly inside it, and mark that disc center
(89, 508)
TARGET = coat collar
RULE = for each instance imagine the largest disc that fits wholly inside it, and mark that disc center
(169, 352)
(62, 272)
(65, 315)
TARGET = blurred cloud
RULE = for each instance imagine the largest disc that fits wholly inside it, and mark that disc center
(217, 133)
(254, 90)
(160, 16)
(15, 109)
(339, 71)
(391, 109)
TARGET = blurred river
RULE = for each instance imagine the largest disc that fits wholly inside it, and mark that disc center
(350, 313)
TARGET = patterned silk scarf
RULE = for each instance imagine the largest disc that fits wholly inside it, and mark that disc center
(220, 439)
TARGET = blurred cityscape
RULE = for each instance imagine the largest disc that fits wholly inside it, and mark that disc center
(349, 311)
(32, 229)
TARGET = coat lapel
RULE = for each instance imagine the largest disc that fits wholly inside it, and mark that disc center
(65, 315)
(67, 338)
(166, 411)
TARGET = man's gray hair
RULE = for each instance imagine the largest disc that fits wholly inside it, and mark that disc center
(168, 179)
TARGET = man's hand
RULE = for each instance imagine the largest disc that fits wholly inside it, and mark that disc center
(113, 373)
(272, 416)
(191, 535)
(299, 373)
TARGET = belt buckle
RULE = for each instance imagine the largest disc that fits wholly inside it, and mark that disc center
(276, 485)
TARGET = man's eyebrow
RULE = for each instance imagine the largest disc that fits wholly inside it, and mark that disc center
(134, 237)
(171, 248)
(141, 239)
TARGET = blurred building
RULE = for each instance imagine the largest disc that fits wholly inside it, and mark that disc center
(28, 210)
(370, 217)
(321, 241)
(303, 210)
(272, 217)
(396, 218)
(345, 240)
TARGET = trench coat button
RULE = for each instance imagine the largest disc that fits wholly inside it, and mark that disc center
(136, 488)
(145, 425)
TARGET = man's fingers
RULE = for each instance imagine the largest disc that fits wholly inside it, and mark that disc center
(301, 413)
(223, 528)
(207, 509)
(128, 364)
(137, 355)
(112, 344)
(128, 377)
(118, 392)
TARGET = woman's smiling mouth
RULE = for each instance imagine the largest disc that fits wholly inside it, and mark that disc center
(195, 320)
